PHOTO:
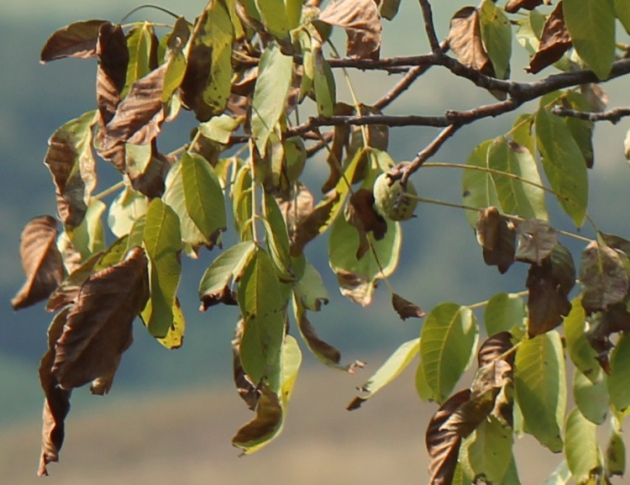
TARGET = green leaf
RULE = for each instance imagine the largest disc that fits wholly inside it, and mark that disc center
(616, 449)
(622, 8)
(310, 289)
(357, 277)
(277, 237)
(540, 385)
(580, 350)
(262, 304)
(591, 398)
(591, 24)
(517, 196)
(563, 163)
(392, 368)
(203, 195)
(581, 448)
(88, 237)
(448, 339)
(620, 374)
(324, 82)
(226, 268)
(511, 475)
(142, 44)
(487, 452)
(560, 476)
(530, 28)
(275, 72)
(582, 130)
(176, 42)
(504, 311)
(477, 186)
(125, 209)
(219, 128)
(496, 34)
(162, 241)
(242, 203)
(274, 16)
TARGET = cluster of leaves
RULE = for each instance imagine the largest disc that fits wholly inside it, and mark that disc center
(244, 68)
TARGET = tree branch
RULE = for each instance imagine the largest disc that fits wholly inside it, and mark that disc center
(613, 115)
(429, 26)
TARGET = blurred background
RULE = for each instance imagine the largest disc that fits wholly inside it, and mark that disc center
(171, 414)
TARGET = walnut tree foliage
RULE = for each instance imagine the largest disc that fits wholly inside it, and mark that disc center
(258, 76)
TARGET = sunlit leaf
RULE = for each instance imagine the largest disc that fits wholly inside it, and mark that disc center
(620, 374)
(41, 262)
(142, 47)
(277, 237)
(554, 41)
(88, 237)
(591, 24)
(324, 84)
(591, 398)
(560, 476)
(563, 163)
(514, 5)
(310, 289)
(487, 453)
(176, 43)
(392, 368)
(581, 352)
(581, 448)
(477, 186)
(74, 40)
(125, 209)
(111, 73)
(448, 338)
(616, 450)
(503, 312)
(465, 40)
(219, 128)
(496, 34)
(603, 276)
(540, 385)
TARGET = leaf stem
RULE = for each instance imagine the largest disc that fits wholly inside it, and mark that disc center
(482, 304)
(161, 9)
(110, 190)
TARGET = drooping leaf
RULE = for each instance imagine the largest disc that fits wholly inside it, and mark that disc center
(98, 326)
(57, 401)
(75, 40)
(357, 278)
(582, 130)
(581, 448)
(174, 337)
(262, 302)
(563, 163)
(536, 240)
(88, 237)
(581, 352)
(362, 23)
(603, 276)
(560, 476)
(360, 212)
(513, 6)
(71, 163)
(478, 189)
(392, 368)
(497, 237)
(41, 261)
(273, 14)
(487, 453)
(206, 85)
(503, 312)
(529, 32)
(539, 382)
(448, 338)
(591, 24)
(405, 308)
(310, 290)
(591, 398)
(554, 42)
(493, 348)
(277, 238)
(174, 57)
(521, 197)
(620, 373)
(142, 46)
(68, 291)
(111, 73)
(162, 241)
(324, 84)
(125, 209)
(443, 444)
(616, 450)
(464, 39)
(496, 35)
(228, 267)
(602, 326)
(272, 88)
(265, 426)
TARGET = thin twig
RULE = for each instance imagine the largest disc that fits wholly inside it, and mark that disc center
(429, 26)
(430, 149)
(613, 115)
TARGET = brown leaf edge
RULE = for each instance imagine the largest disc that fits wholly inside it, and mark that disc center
(405, 308)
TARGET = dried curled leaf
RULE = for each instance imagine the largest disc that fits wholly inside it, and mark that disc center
(268, 419)
(75, 40)
(465, 41)
(362, 22)
(497, 237)
(603, 276)
(41, 261)
(361, 214)
(514, 6)
(554, 42)
(98, 327)
(406, 308)
(113, 57)
(536, 240)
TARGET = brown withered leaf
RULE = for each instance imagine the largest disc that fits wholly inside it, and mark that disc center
(113, 57)
(139, 117)
(464, 39)
(98, 329)
(361, 214)
(68, 291)
(595, 96)
(494, 347)
(536, 240)
(443, 444)
(57, 400)
(247, 390)
(548, 303)
(268, 419)
(615, 319)
(41, 261)
(297, 208)
(554, 42)
(355, 287)
(362, 22)
(147, 176)
(341, 138)
(497, 237)
(603, 276)
(514, 6)
(75, 40)
(405, 308)
(310, 226)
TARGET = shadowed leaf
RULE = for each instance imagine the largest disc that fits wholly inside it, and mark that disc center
(536, 240)
(581, 447)
(603, 276)
(581, 352)
(554, 42)
(620, 374)
(464, 39)
(616, 450)
(113, 58)
(497, 237)
(68, 291)
(496, 34)
(310, 290)
(41, 261)
(494, 347)
(246, 389)
(265, 425)
(75, 40)
(362, 23)
(513, 6)
(443, 444)
(478, 188)
(405, 308)
(317, 221)
(98, 326)
(615, 319)
(591, 398)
